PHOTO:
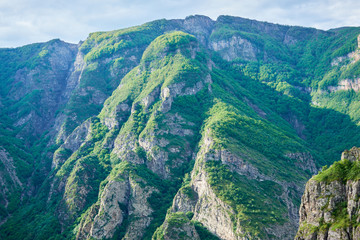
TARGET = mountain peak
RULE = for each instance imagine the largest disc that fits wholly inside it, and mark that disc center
(167, 43)
(199, 18)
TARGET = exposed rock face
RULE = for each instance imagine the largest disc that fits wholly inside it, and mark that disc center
(200, 26)
(139, 209)
(347, 62)
(72, 82)
(296, 124)
(110, 214)
(9, 180)
(60, 56)
(78, 136)
(259, 111)
(211, 211)
(346, 84)
(124, 197)
(150, 142)
(76, 190)
(176, 227)
(304, 160)
(352, 155)
(47, 81)
(350, 58)
(330, 207)
(121, 112)
(235, 47)
(74, 141)
(9, 169)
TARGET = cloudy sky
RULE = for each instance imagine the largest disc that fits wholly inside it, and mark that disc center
(29, 21)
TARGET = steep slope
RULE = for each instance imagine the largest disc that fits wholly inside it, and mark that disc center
(33, 81)
(177, 128)
(330, 205)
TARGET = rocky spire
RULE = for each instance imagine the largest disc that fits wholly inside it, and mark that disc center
(330, 204)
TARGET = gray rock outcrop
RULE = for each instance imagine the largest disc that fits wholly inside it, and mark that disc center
(330, 205)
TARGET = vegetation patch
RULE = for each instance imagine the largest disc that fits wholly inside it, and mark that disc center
(342, 171)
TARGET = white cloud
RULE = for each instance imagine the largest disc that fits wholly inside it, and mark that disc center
(27, 21)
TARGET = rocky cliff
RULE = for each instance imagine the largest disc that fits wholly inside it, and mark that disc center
(330, 205)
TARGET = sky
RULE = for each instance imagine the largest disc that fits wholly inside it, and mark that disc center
(28, 21)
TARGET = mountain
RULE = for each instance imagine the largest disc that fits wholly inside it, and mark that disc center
(175, 129)
(330, 205)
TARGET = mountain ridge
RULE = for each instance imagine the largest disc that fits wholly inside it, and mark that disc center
(196, 16)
